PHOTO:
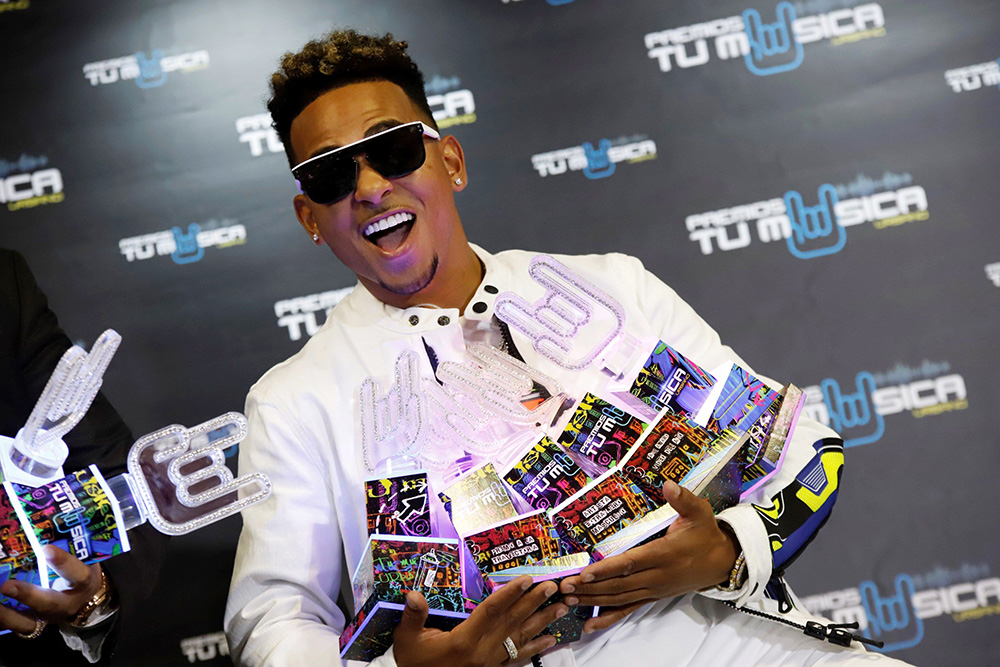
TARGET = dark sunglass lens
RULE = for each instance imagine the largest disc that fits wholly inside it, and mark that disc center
(329, 179)
(397, 153)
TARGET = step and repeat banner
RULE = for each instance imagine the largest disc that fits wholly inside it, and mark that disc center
(818, 178)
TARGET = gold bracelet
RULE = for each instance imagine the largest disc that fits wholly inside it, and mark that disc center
(100, 597)
(737, 574)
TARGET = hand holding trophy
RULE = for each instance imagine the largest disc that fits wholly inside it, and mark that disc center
(177, 480)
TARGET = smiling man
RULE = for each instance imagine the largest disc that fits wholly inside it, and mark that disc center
(402, 237)
(378, 184)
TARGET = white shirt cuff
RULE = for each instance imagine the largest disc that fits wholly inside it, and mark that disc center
(89, 639)
(752, 536)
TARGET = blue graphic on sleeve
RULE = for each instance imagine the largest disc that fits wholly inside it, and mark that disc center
(188, 250)
(892, 614)
(151, 72)
(851, 411)
(809, 223)
(560, 2)
(599, 165)
(770, 40)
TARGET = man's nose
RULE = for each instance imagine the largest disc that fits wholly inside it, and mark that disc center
(372, 186)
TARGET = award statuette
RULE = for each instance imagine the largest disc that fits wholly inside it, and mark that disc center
(177, 480)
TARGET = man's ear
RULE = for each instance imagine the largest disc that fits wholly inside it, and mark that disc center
(304, 212)
(454, 162)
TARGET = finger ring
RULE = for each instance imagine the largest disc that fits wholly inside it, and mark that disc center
(511, 649)
(37, 632)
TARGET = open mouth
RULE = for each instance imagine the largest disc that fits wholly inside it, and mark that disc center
(390, 232)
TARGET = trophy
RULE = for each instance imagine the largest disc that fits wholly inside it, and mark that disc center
(176, 478)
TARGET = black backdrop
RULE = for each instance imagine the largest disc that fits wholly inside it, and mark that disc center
(589, 125)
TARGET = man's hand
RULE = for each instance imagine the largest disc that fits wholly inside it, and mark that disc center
(694, 554)
(77, 585)
(478, 641)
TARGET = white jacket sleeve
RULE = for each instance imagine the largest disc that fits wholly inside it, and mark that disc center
(764, 524)
(282, 609)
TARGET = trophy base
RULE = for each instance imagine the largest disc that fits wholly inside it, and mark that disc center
(369, 635)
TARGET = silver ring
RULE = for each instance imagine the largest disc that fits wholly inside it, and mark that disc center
(511, 649)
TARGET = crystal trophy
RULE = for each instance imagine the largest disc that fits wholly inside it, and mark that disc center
(177, 480)
(36, 454)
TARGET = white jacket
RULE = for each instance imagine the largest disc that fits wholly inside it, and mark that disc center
(290, 564)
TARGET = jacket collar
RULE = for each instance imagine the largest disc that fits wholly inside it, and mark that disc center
(364, 308)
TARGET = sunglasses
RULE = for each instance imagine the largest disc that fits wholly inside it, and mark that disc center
(395, 152)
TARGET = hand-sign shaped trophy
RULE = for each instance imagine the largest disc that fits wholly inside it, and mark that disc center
(574, 324)
(37, 452)
(177, 478)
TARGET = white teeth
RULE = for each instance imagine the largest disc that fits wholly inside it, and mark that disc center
(387, 222)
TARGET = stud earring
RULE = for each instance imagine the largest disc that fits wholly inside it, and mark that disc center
(458, 181)
(316, 238)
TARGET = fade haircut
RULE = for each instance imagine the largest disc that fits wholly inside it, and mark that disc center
(340, 58)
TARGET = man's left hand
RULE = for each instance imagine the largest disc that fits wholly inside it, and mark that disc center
(78, 583)
(694, 554)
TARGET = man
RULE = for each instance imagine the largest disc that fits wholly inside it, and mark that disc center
(88, 616)
(385, 207)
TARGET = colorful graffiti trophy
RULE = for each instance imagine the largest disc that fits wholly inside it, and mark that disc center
(177, 479)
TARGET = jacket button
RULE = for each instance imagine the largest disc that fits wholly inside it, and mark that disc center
(479, 307)
(490, 289)
(414, 320)
(444, 320)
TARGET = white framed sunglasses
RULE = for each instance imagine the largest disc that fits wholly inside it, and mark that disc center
(396, 152)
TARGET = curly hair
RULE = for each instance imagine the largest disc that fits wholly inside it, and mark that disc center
(340, 58)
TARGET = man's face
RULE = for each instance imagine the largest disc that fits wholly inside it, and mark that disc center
(405, 258)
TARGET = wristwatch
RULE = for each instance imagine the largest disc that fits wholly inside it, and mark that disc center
(100, 601)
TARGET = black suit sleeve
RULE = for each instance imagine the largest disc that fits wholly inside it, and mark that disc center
(101, 437)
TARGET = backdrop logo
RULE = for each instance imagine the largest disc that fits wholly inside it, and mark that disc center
(148, 71)
(892, 613)
(766, 45)
(595, 162)
(812, 225)
(257, 131)
(974, 77)
(449, 102)
(13, 5)
(896, 614)
(184, 246)
(301, 312)
(771, 41)
(29, 182)
(993, 273)
(205, 647)
(858, 409)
